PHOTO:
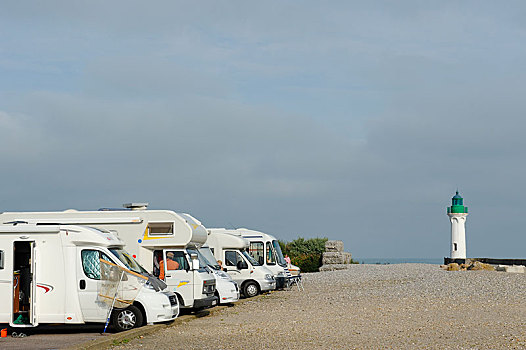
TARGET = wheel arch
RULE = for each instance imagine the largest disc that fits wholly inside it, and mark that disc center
(250, 280)
(139, 306)
(180, 299)
(242, 288)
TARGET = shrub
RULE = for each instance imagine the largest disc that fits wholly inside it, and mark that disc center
(305, 253)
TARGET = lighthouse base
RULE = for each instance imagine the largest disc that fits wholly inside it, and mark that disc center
(448, 261)
(491, 261)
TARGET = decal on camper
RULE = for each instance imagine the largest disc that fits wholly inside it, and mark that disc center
(45, 287)
(182, 283)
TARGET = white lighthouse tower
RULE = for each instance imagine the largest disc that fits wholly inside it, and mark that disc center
(457, 213)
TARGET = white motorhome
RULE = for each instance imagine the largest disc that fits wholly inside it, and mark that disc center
(227, 290)
(231, 249)
(266, 250)
(52, 274)
(151, 236)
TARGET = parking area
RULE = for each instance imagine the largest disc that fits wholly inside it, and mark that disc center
(51, 337)
(87, 337)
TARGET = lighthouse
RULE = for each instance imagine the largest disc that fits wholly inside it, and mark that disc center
(457, 213)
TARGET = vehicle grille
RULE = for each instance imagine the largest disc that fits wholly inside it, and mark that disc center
(173, 300)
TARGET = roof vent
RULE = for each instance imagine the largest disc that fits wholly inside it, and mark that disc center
(136, 206)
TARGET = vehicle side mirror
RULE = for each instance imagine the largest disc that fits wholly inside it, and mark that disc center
(261, 260)
(195, 261)
(241, 265)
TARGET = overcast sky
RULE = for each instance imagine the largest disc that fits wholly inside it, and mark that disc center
(342, 119)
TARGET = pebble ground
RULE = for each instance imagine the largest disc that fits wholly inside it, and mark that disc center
(403, 306)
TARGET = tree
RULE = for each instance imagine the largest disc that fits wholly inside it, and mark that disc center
(305, 253)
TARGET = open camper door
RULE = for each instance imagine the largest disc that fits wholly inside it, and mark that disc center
(33, 291)
(23, 313)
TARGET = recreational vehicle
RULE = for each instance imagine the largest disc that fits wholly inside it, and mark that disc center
(54, 274)
(227, 289)
(266, 250)
(164, 242)
(248, 273)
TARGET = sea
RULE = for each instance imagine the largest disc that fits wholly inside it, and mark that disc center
(387, 261)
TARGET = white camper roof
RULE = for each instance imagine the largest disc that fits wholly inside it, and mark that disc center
(71, 234)
(223, 238)
(250, 234)
(186, 229)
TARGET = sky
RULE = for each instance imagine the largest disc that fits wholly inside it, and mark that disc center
(352, 120)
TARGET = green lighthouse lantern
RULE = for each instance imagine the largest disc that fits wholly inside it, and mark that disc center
(457, 205)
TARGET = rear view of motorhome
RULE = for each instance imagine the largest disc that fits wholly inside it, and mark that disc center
(247, 272)
(72, 275)
(164, 242)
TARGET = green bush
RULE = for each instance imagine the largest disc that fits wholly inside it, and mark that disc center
(305, 253)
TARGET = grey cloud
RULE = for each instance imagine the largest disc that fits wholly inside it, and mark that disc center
(351, 120)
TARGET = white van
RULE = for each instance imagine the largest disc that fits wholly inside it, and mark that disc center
(227, 289)
(52, 274)
(231, 249)
(150, 236)
(266, 250)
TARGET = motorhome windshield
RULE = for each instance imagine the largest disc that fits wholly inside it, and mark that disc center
(279, 254)
(209, 257)
(128, 261)
(250, 258)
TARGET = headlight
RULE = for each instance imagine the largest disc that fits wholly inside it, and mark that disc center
(222, 275)
(269, 277)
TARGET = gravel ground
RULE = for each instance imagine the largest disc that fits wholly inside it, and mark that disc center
(405, 306)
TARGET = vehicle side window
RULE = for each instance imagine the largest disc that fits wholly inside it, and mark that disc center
(160, 229)
(1, 259)
(256, 249)
(91, 262)
(180, 259)
(230, 258)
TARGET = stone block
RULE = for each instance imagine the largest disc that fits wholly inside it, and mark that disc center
(512, 269)
(334, 246)
(335, 267)
(336, 258)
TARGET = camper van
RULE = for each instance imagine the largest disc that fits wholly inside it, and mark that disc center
(52, 274)
(266, 250)
(164, 242)
(227, 289)
(232, 250)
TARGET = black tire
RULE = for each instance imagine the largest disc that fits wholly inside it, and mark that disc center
(126, 319)
(250, 289)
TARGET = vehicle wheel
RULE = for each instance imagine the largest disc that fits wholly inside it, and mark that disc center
(125, 319)
(250, 289)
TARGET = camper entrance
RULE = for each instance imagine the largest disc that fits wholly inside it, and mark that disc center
(23, 284)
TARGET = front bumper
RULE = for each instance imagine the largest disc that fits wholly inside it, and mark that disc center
(228, 292)
(166, 310)
(267, 285)
(205, 303)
